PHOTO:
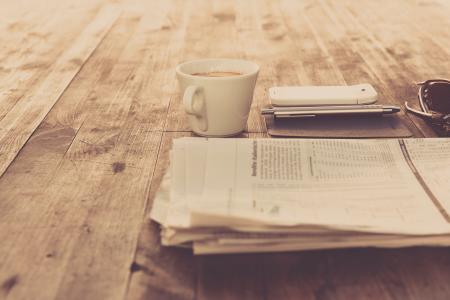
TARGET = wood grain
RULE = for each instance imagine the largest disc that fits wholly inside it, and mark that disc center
(39, 158)
(31, 39)
(23, 118)
(89, 107)
(95, 196)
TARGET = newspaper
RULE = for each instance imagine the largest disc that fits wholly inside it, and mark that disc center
(245, 195)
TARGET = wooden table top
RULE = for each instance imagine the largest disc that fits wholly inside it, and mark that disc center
(89, 106)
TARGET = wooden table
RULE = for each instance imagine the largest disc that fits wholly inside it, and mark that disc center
(89, 106)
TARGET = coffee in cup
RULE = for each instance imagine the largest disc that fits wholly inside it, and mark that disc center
(217, 94)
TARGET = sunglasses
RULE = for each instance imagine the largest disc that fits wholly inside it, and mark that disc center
(434, 99)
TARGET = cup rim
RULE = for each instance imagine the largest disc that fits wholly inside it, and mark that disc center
(246, 75)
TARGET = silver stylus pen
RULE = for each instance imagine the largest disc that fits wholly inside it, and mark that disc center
(330, 110)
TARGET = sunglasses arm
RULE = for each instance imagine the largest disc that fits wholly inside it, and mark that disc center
(417, 112)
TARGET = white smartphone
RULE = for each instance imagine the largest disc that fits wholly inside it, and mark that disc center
(322, 95)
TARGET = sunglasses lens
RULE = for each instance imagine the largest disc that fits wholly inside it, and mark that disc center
(438, 97)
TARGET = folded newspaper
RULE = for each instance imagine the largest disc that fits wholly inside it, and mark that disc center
(264, 195)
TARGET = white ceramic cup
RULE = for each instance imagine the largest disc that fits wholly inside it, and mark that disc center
(217, 106)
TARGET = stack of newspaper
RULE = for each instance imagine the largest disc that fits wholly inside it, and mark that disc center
(263, 195)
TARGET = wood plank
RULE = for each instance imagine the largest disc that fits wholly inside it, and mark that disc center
(365, 273)
(435, 30)
(29, 174)
(161, 92)
(20, 122)
(405, 51)
(231, 277)
(32, 40)
(93, 205)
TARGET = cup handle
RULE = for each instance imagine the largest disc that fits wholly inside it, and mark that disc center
(194, 104)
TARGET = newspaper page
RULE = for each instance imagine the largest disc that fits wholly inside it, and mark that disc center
(430, 160)
(216, 247)
(186, 180)
(364, 184)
